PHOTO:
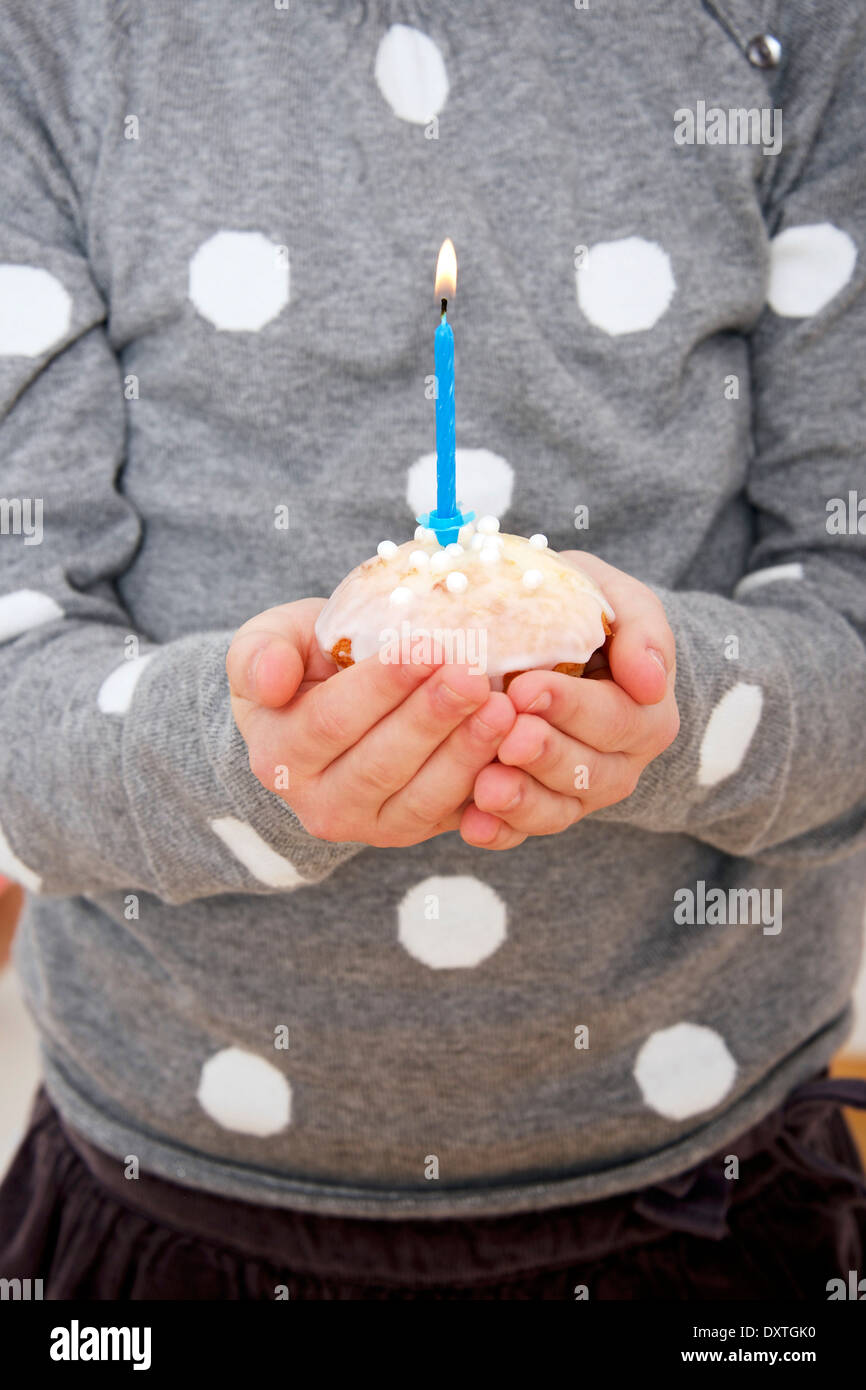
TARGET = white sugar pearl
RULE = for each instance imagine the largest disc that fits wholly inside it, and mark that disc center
(400, 596)
(419, 558)
(478, 541)
(488, 525)
(489, 555)
(439, 562)
(387, 549)
(420, 533)
(538, 541)
(455, 548)
(490, 543)
(457, 582)
(431, 536)
(532, 579)
(465, 534)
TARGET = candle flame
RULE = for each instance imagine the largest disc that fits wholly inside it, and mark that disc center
(446, 271)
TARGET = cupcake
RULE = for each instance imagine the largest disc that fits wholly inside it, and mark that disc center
(501, 604)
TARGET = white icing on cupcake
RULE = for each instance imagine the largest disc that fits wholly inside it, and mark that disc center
(528, 622)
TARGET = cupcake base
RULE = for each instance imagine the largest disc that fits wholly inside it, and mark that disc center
(341, 655)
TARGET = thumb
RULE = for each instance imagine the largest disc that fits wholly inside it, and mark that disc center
(638, 668)
(270, 655)
(642, 651)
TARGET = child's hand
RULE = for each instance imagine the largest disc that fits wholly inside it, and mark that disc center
(588, 744)
(381, 754)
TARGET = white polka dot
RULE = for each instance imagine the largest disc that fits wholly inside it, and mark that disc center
(245, 1093)
(625, 286)
(451, 923)
(239, 281)
(115, 693)
(26, 609)
(14, 868)
(484, 482)
(255, 854)
(729, 732)
(35, 311)
(411, 74)
(771, 575)
(808, 267)
(684, 1070)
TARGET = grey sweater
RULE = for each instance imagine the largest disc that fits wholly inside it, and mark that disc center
(218, 231)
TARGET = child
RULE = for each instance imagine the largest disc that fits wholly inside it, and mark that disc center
(303, 1032)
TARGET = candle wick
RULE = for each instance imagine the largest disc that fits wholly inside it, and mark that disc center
(444, 307)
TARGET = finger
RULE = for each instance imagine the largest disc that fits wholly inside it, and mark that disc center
(269, 655)
(524, 804)
(327, 720)
(448, 776)
(564, 764)
(596, 712)
(642, 649)
(487, 832)
(392, 752)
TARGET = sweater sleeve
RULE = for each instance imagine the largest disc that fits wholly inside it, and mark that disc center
(121, 766)
(771, 681)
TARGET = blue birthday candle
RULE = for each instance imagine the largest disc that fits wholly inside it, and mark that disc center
(446, 475)
(446, 518)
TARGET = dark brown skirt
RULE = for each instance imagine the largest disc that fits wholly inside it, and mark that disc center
(794, 1219)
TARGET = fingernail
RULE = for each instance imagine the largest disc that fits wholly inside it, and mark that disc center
(510, 805)
(486, 730)
(254, 664)
(536, 753)
(542, 701)
(657, 658)
(453, 697)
